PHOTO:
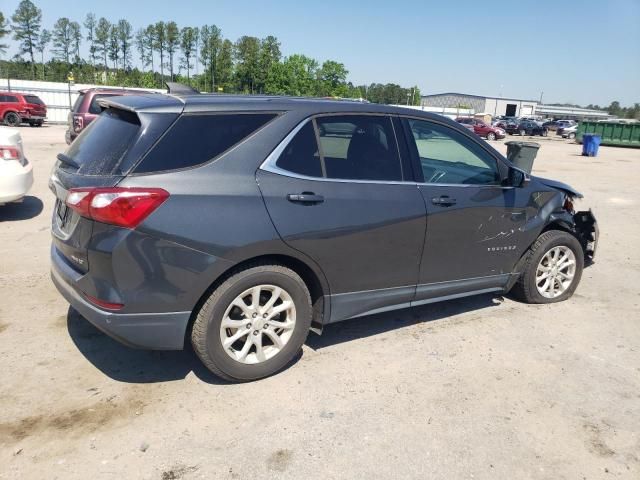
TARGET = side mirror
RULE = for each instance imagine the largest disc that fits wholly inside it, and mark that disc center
(517, 178)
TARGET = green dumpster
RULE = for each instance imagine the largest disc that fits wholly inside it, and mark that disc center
(522, 154)
(611, 133)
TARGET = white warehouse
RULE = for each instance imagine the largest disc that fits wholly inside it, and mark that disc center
(494, 106)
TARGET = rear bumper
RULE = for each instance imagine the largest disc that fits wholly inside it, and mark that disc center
(15, 180)
(152, 331)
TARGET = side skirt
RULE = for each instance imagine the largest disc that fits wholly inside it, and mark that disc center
(358, 304)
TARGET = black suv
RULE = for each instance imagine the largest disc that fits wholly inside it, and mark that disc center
(527, 127)
(240, 223)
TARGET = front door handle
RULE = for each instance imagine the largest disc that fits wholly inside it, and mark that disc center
(305, 197)
(443, 201)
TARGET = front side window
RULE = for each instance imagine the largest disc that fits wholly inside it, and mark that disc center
(345, 147)
(448, 157)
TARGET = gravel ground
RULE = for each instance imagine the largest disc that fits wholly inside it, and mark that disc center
(482, 388)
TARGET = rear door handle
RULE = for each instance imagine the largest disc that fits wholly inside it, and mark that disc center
(444, 201)
(305, 197)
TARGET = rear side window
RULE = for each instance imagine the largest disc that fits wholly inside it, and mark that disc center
(348, 147)
(196, 139)
(103, 144)
(33, 99)
(11, 99)
(95, 107)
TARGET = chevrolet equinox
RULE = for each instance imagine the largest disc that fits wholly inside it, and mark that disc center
(240, 223)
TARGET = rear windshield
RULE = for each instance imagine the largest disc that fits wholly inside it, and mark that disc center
(78, 102)
(196, 139)
(33, 99)
(103, 144)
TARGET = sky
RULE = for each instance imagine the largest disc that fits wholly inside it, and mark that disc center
(567, 51)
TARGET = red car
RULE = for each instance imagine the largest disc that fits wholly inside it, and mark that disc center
(86, 108)
(482, 129)
(16, 108)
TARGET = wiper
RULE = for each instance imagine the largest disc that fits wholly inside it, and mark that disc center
(67, 160)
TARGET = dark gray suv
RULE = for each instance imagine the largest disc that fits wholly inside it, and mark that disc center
(241, 223)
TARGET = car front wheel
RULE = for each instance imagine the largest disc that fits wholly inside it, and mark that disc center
(523, 133)
(253, 324)
(552, 269)
(491, 136)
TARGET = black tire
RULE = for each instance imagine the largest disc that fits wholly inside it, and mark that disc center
(205, 335)
(543, 133)
(12, 119)
(523, 133)
(572, 136)
(491, 136)
(525, 288)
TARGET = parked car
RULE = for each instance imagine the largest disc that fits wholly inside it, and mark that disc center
(16, 172)
(482, 129)
(17, 108)
(568, 132)
(87, 107)
(280, 220)
(526, 127)
(556, 124)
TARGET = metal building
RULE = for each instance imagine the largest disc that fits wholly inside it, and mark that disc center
(494, 106)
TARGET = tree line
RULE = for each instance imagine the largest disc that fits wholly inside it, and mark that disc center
(199, 56)
(614, 109)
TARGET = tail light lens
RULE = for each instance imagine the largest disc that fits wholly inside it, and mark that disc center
(10, 153)
(78, 123)
(104, 304)
(123, 207)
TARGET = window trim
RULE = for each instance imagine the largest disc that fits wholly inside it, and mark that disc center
(501, 164)
(269, 164)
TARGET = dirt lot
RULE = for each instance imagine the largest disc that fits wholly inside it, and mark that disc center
(479, 388)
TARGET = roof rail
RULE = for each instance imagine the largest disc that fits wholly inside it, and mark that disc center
(175, 88)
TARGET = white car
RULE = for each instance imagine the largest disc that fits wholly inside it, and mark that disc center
(569, 132)
(16, 172)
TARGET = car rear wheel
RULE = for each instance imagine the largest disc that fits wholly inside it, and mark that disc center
(572, 136)
(12, 119)
(253, 324)
(543, 133)
(552, 270)
(491, 136)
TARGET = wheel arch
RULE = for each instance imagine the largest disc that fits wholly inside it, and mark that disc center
(313, 279)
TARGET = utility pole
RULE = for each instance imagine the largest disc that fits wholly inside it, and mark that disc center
(541, 93)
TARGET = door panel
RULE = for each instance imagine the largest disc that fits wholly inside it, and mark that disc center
(364, 236)
(475, 226)
(480, 235)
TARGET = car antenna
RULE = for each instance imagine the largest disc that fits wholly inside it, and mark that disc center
(175, 88)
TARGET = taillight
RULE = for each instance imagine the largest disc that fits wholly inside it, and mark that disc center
(78, 123)
(10, 153)
(123, 207)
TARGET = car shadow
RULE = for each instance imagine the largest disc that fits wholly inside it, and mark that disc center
(30, 207)
(125, 364)
(372, 325)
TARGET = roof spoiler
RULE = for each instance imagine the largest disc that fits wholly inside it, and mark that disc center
(175, 88)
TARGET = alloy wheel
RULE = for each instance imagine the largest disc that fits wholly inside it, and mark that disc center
(556, 271)
(258, 324)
